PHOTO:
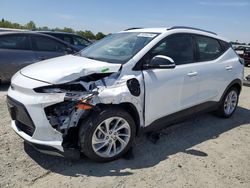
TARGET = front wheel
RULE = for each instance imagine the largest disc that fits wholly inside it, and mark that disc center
(229, 103)
(107, 135)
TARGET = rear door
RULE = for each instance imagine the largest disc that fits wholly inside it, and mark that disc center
(215, 68)
(46, 47)
(15, 53)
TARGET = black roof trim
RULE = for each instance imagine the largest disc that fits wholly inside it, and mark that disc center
(193, 28)
(133, 28)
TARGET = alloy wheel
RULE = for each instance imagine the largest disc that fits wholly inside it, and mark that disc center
(111, 137)
(230, 102)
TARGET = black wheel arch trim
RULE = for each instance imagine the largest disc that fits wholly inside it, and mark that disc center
(237, 82)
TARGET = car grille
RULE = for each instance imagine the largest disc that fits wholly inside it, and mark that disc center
(19, 113)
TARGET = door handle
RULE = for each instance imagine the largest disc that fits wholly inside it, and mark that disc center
(192, 74)
(229, 68)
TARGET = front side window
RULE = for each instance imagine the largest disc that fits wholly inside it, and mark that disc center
(179, 47)
(119, 47)
(79, 41)
(66, 38)
(17, 42)
(208, 48)
(47, 44)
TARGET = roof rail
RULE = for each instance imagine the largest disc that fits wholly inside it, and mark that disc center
(185, 27)
(133, 28)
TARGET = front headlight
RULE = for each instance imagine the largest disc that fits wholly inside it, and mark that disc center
(63, 88)
(73, 92)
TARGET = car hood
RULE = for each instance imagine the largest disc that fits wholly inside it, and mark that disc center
(67, 68)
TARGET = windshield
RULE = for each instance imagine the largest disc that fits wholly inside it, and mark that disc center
(119, 47)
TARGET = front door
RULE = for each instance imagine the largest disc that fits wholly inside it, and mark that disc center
(170, 90)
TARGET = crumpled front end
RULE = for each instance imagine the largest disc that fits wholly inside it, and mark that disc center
(57, 110)
(86, 95)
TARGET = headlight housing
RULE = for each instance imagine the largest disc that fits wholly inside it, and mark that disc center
(63, 88)
(73, 92)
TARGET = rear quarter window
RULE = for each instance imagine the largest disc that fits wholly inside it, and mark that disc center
(225, 45)
(207, 48)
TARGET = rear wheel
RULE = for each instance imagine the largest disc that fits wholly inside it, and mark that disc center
(229, 103)
(107, 135)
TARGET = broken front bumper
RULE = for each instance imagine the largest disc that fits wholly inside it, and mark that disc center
(29, 120)
(47, 147)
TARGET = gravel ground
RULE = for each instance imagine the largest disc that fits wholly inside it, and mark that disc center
(203, 152)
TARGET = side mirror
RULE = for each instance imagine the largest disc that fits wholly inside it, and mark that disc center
(160, 62)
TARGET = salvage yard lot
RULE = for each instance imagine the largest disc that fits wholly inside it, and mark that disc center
(202, 152)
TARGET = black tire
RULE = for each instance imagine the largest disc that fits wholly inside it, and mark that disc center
(88, 127)
(221, 111)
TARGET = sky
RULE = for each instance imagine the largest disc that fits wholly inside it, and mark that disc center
(229, 18)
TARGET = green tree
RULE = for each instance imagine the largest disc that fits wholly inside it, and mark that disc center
(31, 25)
(68, 30)
(16, 26)
(81, 33)
(88, 34)
(56, 29)
(99, 36)
(44, 28)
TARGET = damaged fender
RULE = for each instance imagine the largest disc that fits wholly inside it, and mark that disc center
(112, 89)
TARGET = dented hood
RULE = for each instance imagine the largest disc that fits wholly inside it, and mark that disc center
(67, 68)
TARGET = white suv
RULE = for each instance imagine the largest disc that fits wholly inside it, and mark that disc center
(98, 100)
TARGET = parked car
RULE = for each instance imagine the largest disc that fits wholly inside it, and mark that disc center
(244, 52)
(246, 56)
(98, 101)
(248, 78)
(19, 49)
(2, 29)
(77, 41)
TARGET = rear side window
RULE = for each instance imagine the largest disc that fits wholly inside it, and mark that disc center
(47, 44)
(207, 48)
(225, 45)
(179, 47)
(17, 42)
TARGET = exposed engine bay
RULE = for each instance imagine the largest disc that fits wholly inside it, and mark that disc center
(86, 93)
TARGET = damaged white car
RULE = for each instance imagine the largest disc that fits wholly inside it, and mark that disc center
(98, 100)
